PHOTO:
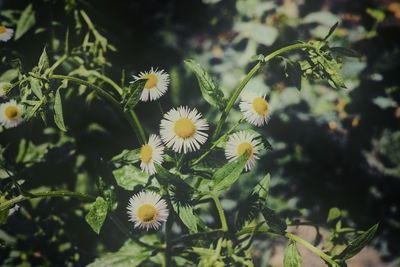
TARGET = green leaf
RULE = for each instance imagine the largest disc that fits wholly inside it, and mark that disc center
(58, 113)
(333, 214)
(166, 178)
(128, 156)
(25, 22)
(129, 176)
(9, 75)
(228, 174)
(130, 254)
(36, 87)
(210, 90)
(262, 188)
(358, 244)
(134, 93)
(331, 30)
(187, 216)
(43, 61)
(4, 216)
(274, 221)
(292, 257)
(97, 214)
(343, 51)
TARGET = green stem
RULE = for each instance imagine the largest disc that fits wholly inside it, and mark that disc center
(312, 248)
(110, 82)
(132, 118)
(55, 65)
(61, 193)
(224, 226)
(249, 230)
(218, 141)
(247, 79)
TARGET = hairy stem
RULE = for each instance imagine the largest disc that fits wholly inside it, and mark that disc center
(247, 79)
(312, 248)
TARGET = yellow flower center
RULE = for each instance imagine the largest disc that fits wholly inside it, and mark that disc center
(242, 148)
(151, 82)
(184, 128)
(146, 153)
(3, 29)
(147, 213)
(260, 105)
(12, 113)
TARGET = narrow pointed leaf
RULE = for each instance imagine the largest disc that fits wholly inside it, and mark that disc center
(343, 51)
(358, 244)
(331, 30)
(135, 91)
(97, 214)
(58, 113)
(277, 224)
(25, 22)
(210, 90)
(43, 61)
(187, 216)
(292, 257)
(229, 173)
(262, 188)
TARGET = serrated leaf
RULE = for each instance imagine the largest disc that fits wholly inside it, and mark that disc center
(187, 216)
(209, 89)
(333, 214)
(274, 221)
(343, 51)
(247, 210)
(262, 188)
(130, 254)
(358, 244)
(128, 156)
(58, 113)
(25, 22)
(228, 174)
(135, 91)
(43, 61)
(331, 30)
(97, 214)
(129, 176)
(167, 178)
(292, 257)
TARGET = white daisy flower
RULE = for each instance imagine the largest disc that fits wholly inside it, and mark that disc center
(10, 114)
(3, 89)
(150, 153)
(183, 128)
(255, 109)
(237, 145)
(156, 85)
(147, 210)
(5, 33)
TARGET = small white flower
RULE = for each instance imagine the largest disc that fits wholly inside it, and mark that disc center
(156, 85)
(237, 145)
(150, 153)
(255, 109)
(3, 89)
(5, 33)
(147, 210)
(10, 114)
(183, 128)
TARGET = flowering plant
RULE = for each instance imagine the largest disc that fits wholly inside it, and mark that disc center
(175, 175)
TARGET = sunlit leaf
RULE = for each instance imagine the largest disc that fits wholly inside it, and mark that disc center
(210, 90)
(43, 61)
(134, 93)
(58, 112)
(128, 156)
(186, 214)
(333, 214)
(97, 214)
(292, 257)
(130, 176)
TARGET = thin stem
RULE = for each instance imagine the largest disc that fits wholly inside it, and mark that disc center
(141, 136)
(132, 118)
(110, 82)
(56, 64)
(312, 248)
(249, 230)
(224, 226)
(218, 141)
(160, 107)
(248, 77)
(61, 193)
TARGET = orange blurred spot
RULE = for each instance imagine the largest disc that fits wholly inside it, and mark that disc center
(395, 8)
(397, 112)
(332, 125)
(355, 122)
(217, 51)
